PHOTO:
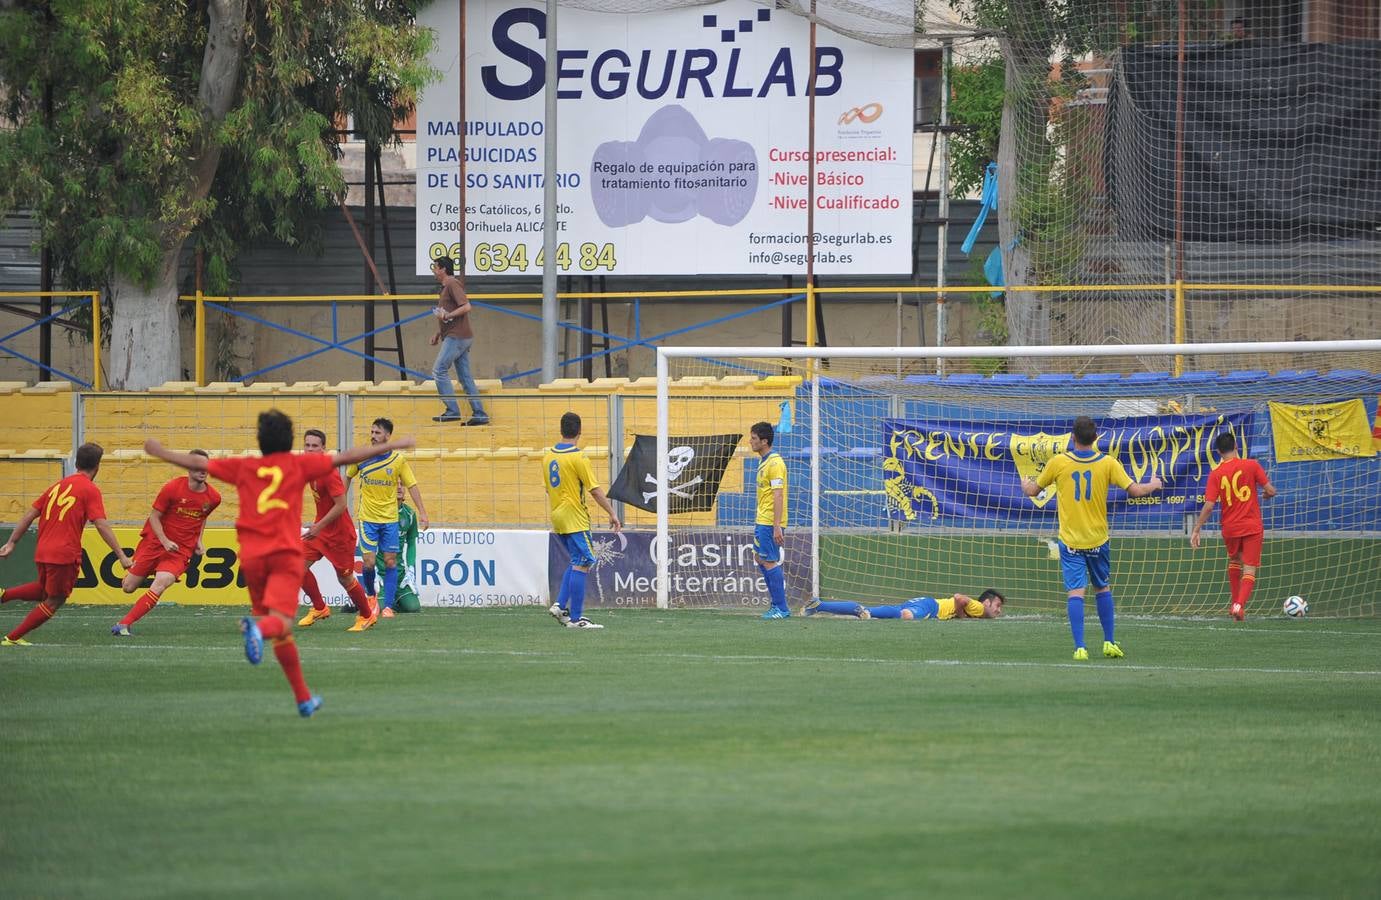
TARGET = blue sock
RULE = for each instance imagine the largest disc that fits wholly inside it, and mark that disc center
(776, 587)
(576, 595)
(390, 587)
(839, 607)
(367, 576)
(1076, 619)
(563, 596)
(885, 612)
(1105, 616)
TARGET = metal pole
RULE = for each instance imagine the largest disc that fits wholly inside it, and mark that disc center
(942, 233)
(464, 83)
(662, 544)
(810, 191)
(550, 309)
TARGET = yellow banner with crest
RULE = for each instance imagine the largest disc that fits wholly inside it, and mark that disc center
(1310, 432)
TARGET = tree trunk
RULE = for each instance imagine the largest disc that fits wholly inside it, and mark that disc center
(144, 339)
(1022, 154)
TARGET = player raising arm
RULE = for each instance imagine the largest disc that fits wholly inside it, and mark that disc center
(1233, 484)
(960, 606)
(171, 536)
(1081, 478)
(269, 531)
(62, 511)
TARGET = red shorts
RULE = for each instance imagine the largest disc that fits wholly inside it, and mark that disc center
(150, 557)
(274, 581)
(56, 580)
(1247, 547)
(341, 555)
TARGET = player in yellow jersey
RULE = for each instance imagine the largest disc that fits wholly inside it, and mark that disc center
(569, 478)
(1080, 479)
(380, 477)
(771, 521)
(960, 606)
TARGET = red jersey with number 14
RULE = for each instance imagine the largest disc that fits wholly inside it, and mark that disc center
(270, 489)
(1233, 486)
(63, 511)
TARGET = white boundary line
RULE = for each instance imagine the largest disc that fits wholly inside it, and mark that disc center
(232, 648)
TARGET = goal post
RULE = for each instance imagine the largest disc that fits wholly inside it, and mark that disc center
(906, 482)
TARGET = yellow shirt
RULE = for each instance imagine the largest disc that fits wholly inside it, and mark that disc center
(1081, 480)
(569, 476)
(771, 477)
(973, 609)
(379, 477)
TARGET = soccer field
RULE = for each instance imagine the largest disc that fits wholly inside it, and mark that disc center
(692, 754)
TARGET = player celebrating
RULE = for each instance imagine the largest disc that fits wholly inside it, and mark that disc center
(768, 537)
(332, 537)
(1234, 483)
(1082, 477)
(960, 606)
(569, 476)
(170, 537)
(379, 477)
(269, 530)
(62, 511)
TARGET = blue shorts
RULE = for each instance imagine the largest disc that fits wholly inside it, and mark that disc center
(765, 546)
(1084, 566)
(577, 544)
(923, 607)
(379, 537)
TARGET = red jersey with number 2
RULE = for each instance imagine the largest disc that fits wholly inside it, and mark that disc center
(270, 489)
(63, 510)
(1233, 486)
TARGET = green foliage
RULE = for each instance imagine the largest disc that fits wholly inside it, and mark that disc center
(976, 101)
(105, 136)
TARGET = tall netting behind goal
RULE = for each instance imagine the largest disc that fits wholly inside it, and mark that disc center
(903, 482)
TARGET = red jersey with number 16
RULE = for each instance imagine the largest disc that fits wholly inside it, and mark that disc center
(1233, 486)
(270, 489)
(63, 510)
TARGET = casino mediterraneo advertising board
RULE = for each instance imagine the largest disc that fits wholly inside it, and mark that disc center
(682, 143)
(455, 567)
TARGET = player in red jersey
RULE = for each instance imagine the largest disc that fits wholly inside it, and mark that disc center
(62, 511)
(332, 536)
(269, 530)
(171, 536)
(1234, 483)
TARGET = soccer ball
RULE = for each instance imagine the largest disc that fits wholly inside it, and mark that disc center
(1296, 607)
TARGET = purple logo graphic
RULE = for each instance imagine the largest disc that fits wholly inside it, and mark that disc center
(673, 172)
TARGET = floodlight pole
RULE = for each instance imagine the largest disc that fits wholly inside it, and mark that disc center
(550, 308)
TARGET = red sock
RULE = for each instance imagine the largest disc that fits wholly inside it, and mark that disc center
(31, 592)
(147, 601)
(271, 627)
(286, 651)
(36, 617)
(361, 600)
(313, 591)
(1234, 580)
(1244, 590)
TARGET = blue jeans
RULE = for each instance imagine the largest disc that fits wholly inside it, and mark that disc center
(456, 351)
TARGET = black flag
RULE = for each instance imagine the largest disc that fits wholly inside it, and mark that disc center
(695, 467)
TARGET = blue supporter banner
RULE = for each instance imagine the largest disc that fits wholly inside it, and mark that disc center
(939, 472)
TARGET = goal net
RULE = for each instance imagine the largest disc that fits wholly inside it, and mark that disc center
(904, 482)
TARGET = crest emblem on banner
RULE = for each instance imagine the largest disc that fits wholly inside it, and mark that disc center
(1031, 452)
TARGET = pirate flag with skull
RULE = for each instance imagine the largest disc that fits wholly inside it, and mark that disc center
(695, 467)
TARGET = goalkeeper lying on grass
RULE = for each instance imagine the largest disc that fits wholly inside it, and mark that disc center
(960, 606)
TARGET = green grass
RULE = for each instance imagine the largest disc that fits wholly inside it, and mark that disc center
(692, 754)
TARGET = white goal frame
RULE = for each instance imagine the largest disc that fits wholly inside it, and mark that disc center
(665, 354)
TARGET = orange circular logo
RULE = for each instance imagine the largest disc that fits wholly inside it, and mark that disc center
(868, 112)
